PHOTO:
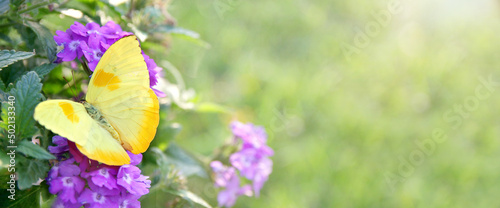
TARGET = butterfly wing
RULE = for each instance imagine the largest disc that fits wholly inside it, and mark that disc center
(71, 120)
(120, 90)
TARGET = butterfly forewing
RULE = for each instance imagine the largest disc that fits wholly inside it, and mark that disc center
(119, 88)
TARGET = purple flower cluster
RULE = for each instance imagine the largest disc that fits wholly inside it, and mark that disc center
(79, 181)
(91, 41)
(251, 161)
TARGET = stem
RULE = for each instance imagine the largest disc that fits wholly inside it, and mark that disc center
(85, 66)
(29, 19)
(132, 7)
(36, 6)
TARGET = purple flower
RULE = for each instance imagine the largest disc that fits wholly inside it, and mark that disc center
(222, 173)
(53, 173)
(250, 161)
(108, 31)
(105, 176)
(254, 165)
(92, 51)
(62, 145)
(134, 159)
(98, 197)
(252, 136)
(126, 200)
(130, 178)
(113, 32)
(246, 162)
(108, 186)
(64, 168)
(67, 187)
(71, 45)
(153, 70)
(79, 29)
(68, 168)
(263, 170)
(228, 196)
(59, 203)
(75, 153)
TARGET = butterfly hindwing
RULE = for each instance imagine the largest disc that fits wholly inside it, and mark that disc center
(71, 120)
(103, 147)
(135, 118)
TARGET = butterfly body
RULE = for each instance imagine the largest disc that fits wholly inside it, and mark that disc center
(121, 111)
(95, 114)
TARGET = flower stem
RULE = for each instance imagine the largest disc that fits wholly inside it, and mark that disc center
(36, 6)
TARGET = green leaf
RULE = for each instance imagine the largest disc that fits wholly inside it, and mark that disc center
(175, 30)
(43, 12)
(33, 150)
(27, 96)
(165, 134)
(24, 198)
(4, 176)
(184, 161)
(9, 57)
(3, 96)
(28, 37)
(182, 33)
(16, 3)
(4, 6)
(2, 86)
(12, 73)
(120, 13)
(190, 197)
(30, 171)
(46, 38)
(88, 8)
(6, 38)
(44, 69)
(4, 116)
(47, 203)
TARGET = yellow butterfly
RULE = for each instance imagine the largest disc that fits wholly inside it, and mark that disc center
(120, 113)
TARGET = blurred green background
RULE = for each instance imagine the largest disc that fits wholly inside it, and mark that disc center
(343, 125)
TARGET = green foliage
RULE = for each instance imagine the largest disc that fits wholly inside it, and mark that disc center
(4, 115)
(9, 57)
(30, 171)
(190, 197)
(176, 30)
(2, 86)
(44, 69)
(27, 96)
(46, 38)
(167, 180)
(11, 74)
(24, 198)
(33, 150)
(31, 77)
(184, 161)
(165, 134)
(4, 6)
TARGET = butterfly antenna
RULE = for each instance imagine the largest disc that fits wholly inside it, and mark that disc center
(74, 84)
(74, 95)
(86, 66)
